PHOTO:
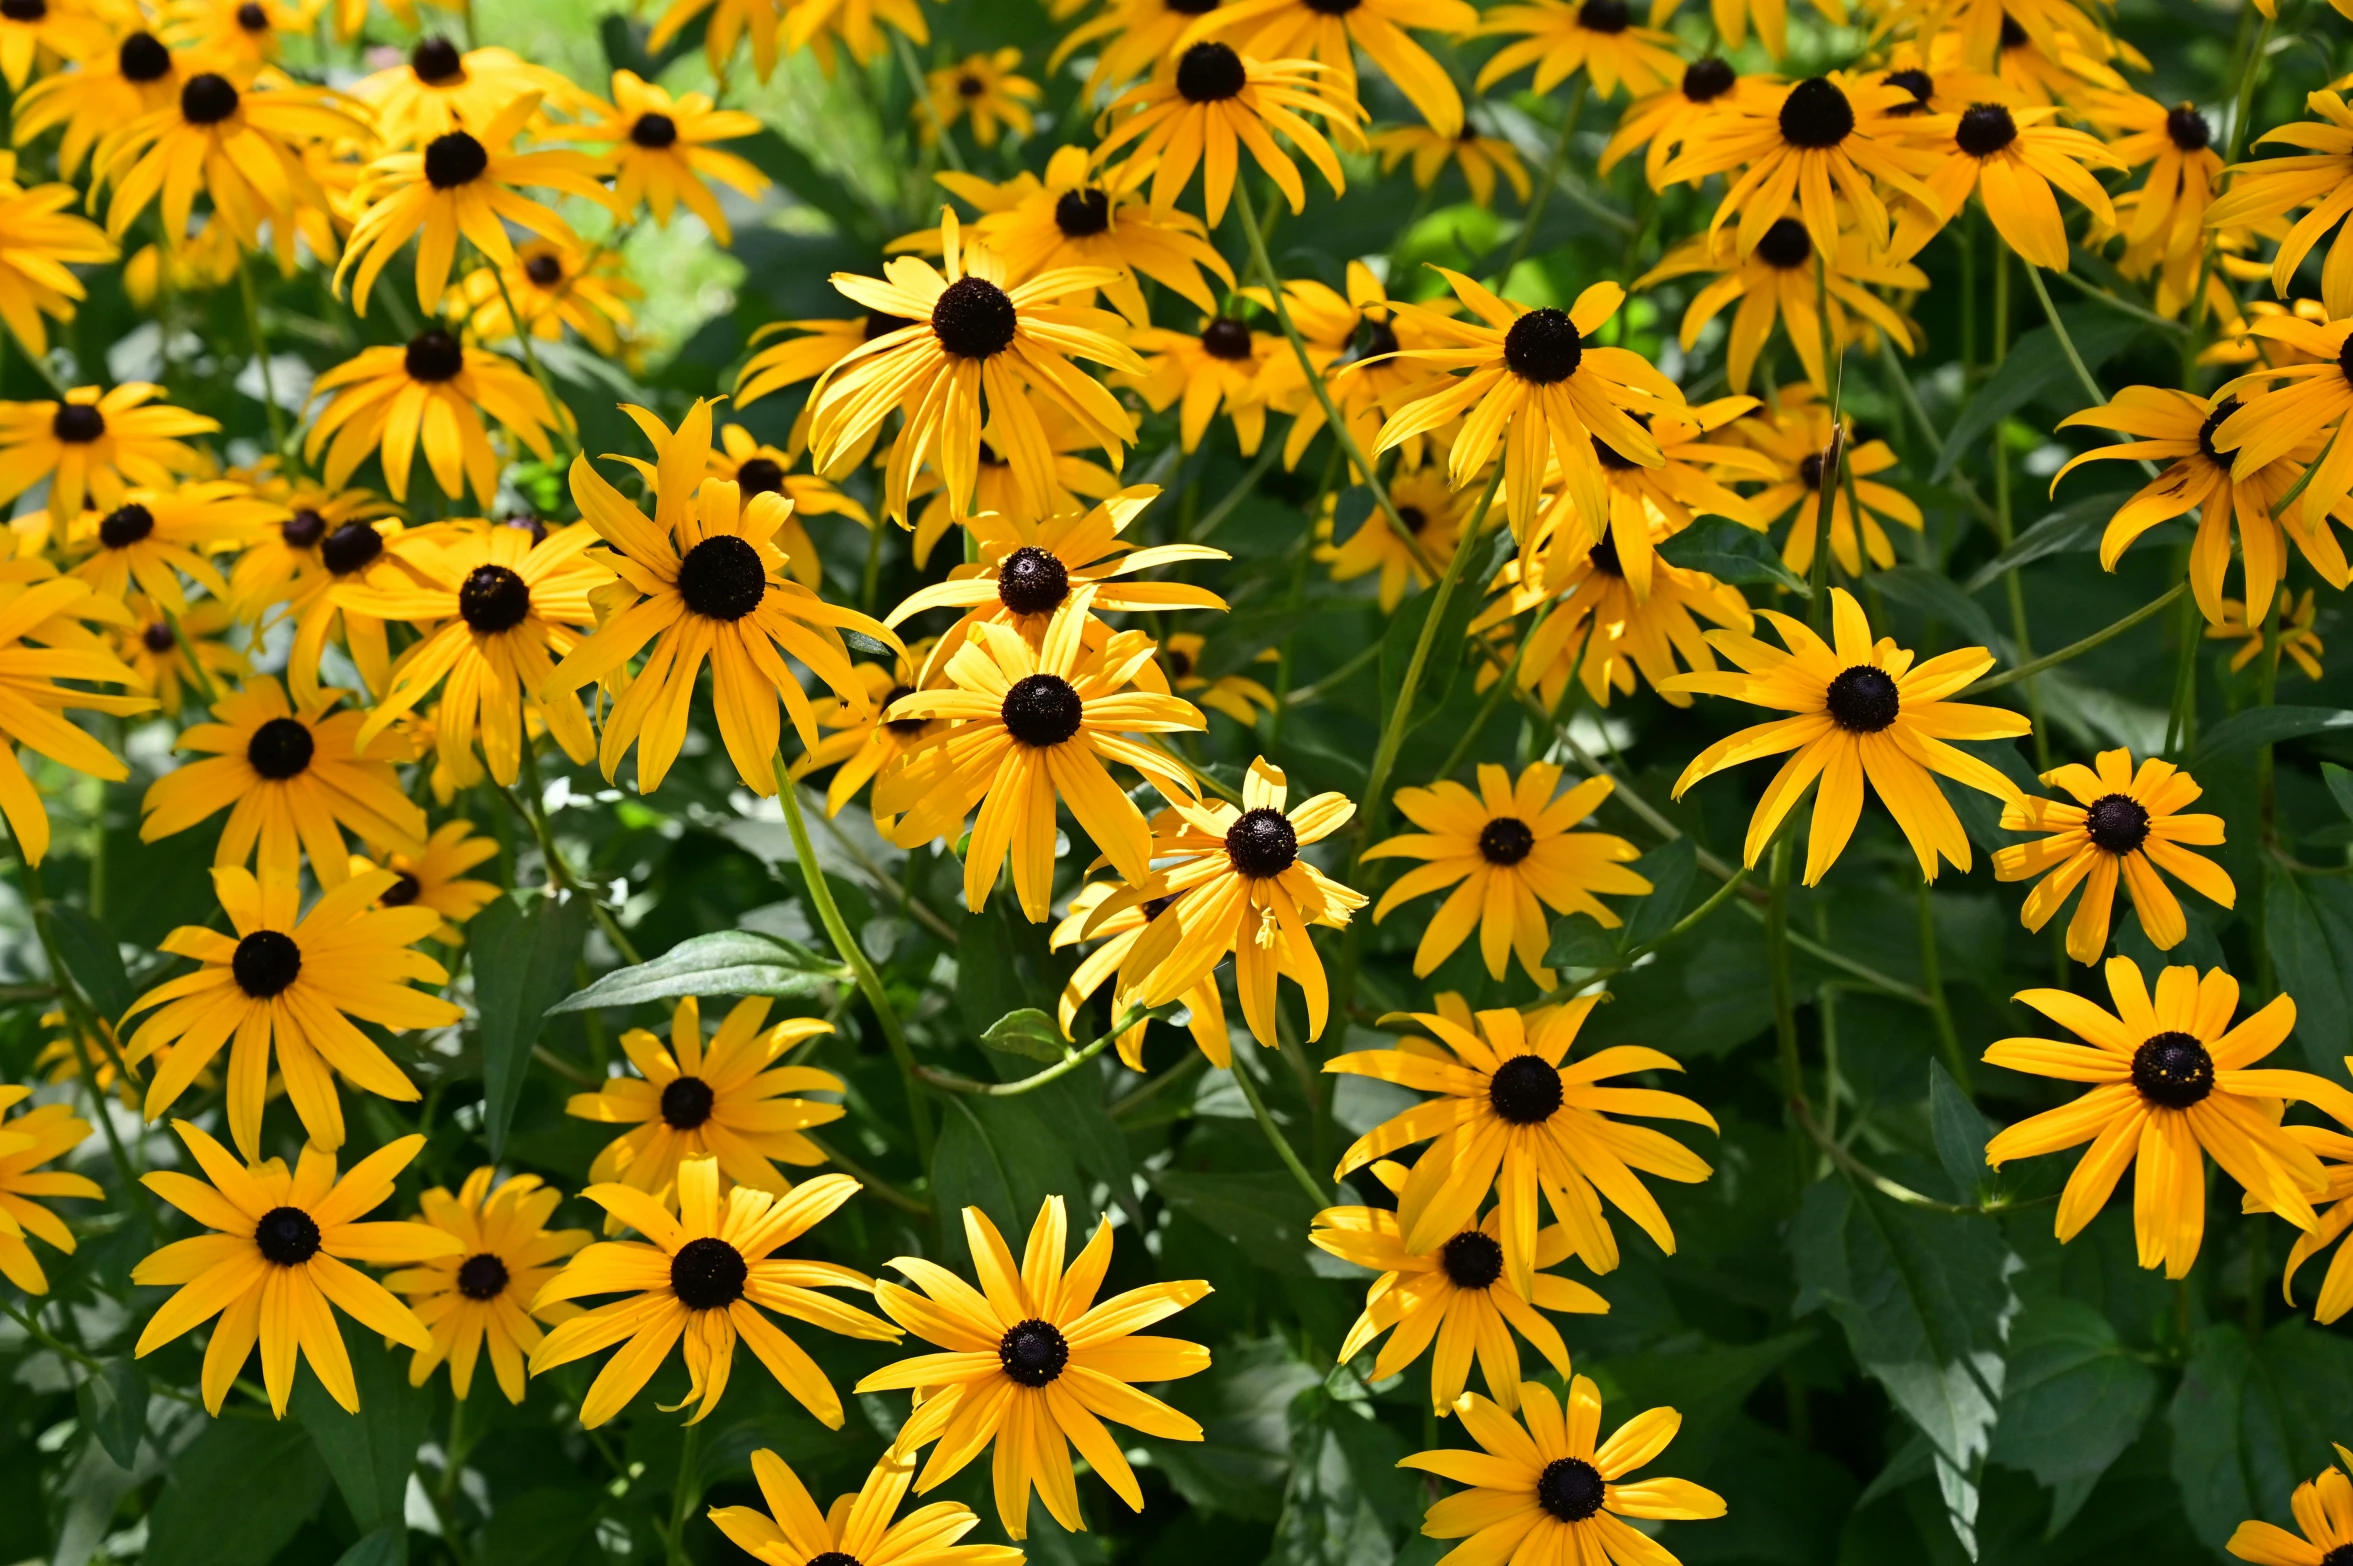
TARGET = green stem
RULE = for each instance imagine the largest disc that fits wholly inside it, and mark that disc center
(1215, 516)
(261, 354)
(197, 676)
(547, 387)
(559, 874)
(2083, 371)
(2076, 649)
(1681, 927)
(1545, 181)
(2266, 806)
(1071, 1060)
(1282, 1145)
(922, 93)
(683, 1494)
(2181, 724)
(1502, 688)
(1791, 1066)
(1932, 980)
(867, 1178)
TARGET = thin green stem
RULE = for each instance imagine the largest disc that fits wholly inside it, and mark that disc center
(1274, 1135)
(547, 387)
(197, 677)
(2266, 805)
(683, 1494)
(2181, 724)
(921, 89)
(1071, 1060)
(559, 874)
(1791, 1066)
(1503, 686)
(1545, 181)
(261, 354)
(1214, 517)
(1932, 980)
(2076, 649)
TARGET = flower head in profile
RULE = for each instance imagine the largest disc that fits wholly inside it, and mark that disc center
(660, 152)
(1563, 37)
(2012, 158)
(757, 468)
(40, 243)
(27, 1141)
(1238, 696)
(1774, 284)
(431, 391)
(437, 878)
(94, 447)
(1480, 159)
(987, 91)
(480, 1296)
(2176, 145)
(552, 286)
(793, 1532)
(155, 537)
(102, 93)
(1032, 1364)
(1331, 35)
(276, 1266)
(240, 146)
(1795, 433)
(1222, 364)
(1205, 105)
(2296, 638)
(2323, 1509)
(2172, 1082)
(1433, 512)
(46, 636)
(860, 742)
(1509, 851)
(1662, 121)
(2297, 410)
(2318, 179)
(1692, 479)
(439, 89)
(2334, 1149)
(1117, 933)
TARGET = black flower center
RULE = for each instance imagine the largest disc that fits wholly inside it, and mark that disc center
(454, 158)
(1041, 710)
(351, 547)
(402, 892)
(1604, 557)
(266, 963)
(880, 325)
(1226, 338)
(482, 1277)
(1985, 129)
(1082, 213)
(1472, 1260)
(1918, 83)
(974, 318)
(1033, 1352)
(1862, 700)
(433, 356)
(686, 1102)
(970, 86)
(834, 1558)
(2173, 1070)
(1375, 338)
(1704, 81)
(526, 524)
(1610, 457)
(1604, 16)
(907, 726)
(1570, 1488)
(2013, 36)
(1414, 518)
(1262, 843)
(125, 525)
(722, 578)
(1032, 581)
(24, 10)
(1816, 115)
(654, 132)
(544, 270)
(77, 423)
(280, 749)
(287, 1236)
(1210, 73)
(303, 529)
(157, 637)
(2188, 128)
(2342, 1555)
(708, 1274)
(2345, 357)
(207, 99)
(1505, 840)
(1809, 470)
(1543, 346)
(1525, 1090)
(1180, 662)
(2117, 823)
(760, 476)
(1786, 245)
(143, 58)
(1191, 7)
(493, 599)
(253, 18)
(2222, 410)
(437, 62)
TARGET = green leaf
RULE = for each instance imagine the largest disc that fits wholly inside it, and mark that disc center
(1934, 595)
(1669, 868)
(1002, 1155)
(92, 958)
(793, 169)
(1961, 1134)
(523, 963)
(112, 1406)
(725, 962)
(210, 1514)
(370, 1453)
(1263, 1213)
(2035, 367)
(1244, 1404)
(1732, 553)
(2259, 726)
(2253, 1421)
(2340, 786)
(1578, 942)
(384, 1546)
(2074, 1398)
(1445, 658)
(2076, 525)
(1027, 1032)
(548, 1527)
(2308, 924)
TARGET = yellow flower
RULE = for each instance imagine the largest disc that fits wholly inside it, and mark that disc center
(244, 146)
(152, 650)
(2184, 168)
(858, 24)
(553, 286)
(283, 564)
(1775, 283)
(759, 469)
(437, 90)
(1546, 1487)
(152, 537)
(240, 35)
(1796, 434)
(2011, 158)
(985, 88)
(1358, 333)
(28, 1141)
(1687, 483)
(1198, 107)
(792, 1532)
(39, 242)
(1331, 34)
(436, 878)
(94, 446)
(1119, 932)
(2335, 1148)
(661, 154)
(99, 94)
(481, 1295)
(1479, 157)
(1512, 1116)
(45, 35)
(48, 613)
(2296, 636)
(2170, 1077)
(276, 1268)
(1224, 363)
(1511, 849)
(860, 741)
(1236, 695)
(1132, 36)
(2324, 1511)
(730, 20)
(430, 391)
(1562, 37)
(60, 1060)
(1035, 1365)
(1664, 120)
(2296, 409)
(705, 1276)
(2320, 178)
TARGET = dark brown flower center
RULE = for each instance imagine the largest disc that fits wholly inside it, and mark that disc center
(1375, 339)
(280, 749)
(544, 270)
(125, 525)
(2013, 36)
(2213, 421)
(1505, 840)
(207, 99)
(403, 891)
(708, 1274)
(303, 529)
(253, 18)
(722, 578)
(143, 58)
(482, 1277)
(493, 599)
(1816, 115)
(1862, 699)
(1604, 16)
(1082, 213)
(157, 637)
(906, 726)
(1918, 83)
(1525, 1090)
(2173, 1070)
(654, 132)
(2117, 823)
(1472, 1260)
(433, 356)
(454, 158)
(266, 963)
(760, 476)
(1706, 80)
(1985, 129)
(2345, 357)
(1604, 556)
(1543, 346)
(1610, 457)
(1786, 245)
(1180, 662)
(24, 10)
(1570, 1489)
(1033, 1352)
(523, 523)
(1042, 710)
(687, 1102)
(436, 62)
(1414, 518)
(970, 86)
(974, 318)
(1809, 470)
(1210, 73)
(1262, 843)
(834, 1558)
(2188, 128)
(1032, 581)
(351, 547)
(1226, 338)
(77, 423)
(287, 1236)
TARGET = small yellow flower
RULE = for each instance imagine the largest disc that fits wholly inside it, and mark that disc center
(28, 1141)
(986, 89)
(481, 1296)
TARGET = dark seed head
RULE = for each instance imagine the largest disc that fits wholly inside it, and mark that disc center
(1082, 213)
(760, 476)
(708, 1274)
(1985, 129)
(1604, 16)
(1816, 114)
(654, 132)
(1506, 840)
(2173, 1071)
(1032, 581)
(1706, 80)
(433, 356)
(1375, 338)
(77, 423)
(303, 530)
(436, 62)
(266, 963)
(686, 1102)
(2012, 34)
(1610, 457)
(351, 547)
(2188, 128)
(2117, 823)
(544, 270)
(1918, 83)
(1525, 1090)
(157, 637)
(1262, 843)
(974, 318)
(1178, 661)
(2213, 421)
(1041, 710)
(1570, 1489)
(1604, 556)
(1809, 470)
(1543, 346)
(482, 1277)
(1191, 7)
(522, 522)
(833, 1558)
(207, 99)
(287, 1236)
(1210, 73)
(125, 525)
(143, 58)
(722, 578)
(970, 86)
(24, 10)
(280, 749)
(2345, 357)
(1786, 245)
(454, 158)
(1863, 699)
(1414, 518)
(880, 325)
(2342, 1555)
(493, 599)
(1033, 1352)
(1471, 1260)
(402, 892)
(253, 18)
(904, 726)
(1226, 338)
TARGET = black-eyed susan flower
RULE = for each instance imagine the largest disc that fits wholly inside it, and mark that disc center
(2334, 1149)
(1081, 216)
(1562, 37)
(705, 581)
(27, 1141)
(100, 94)
(1032, 1364)
(1733, 19)
(239, 35)
(859, 1527)
(1513, 850)
(1223, 365)
(439, 89)
(703, 1278)
(2290, 409)
(1795, 433)
(814, 347)
(1514, 1115)
(287, 559)
(1128, 37)
(387, 400)
(437, 879)
(1451, 1301)
(156, 647)
(1691, 480)
(973, 348)
(1027, 726)
(153, 537)
(372, 552)
(1079, 482)
(724, 1097)
(293, 779)
(60, 1060)
(1198, 108)
(2172, 1082)
(1205, 1013)
(1859, 711)
(40, 244)
(2296, 637)
(239, 146)
(730, 22)
(1330, 35)
(2177, 147)
(47, 33)
(289, 987)
(1775, 283)
(2012, 158)
(276, 1266)
(1661, 122)
(856, 25)
(2124, 824)
(2319, 179)
(1480, 158)
(986, 91)
(46, 636)
(1351, 340)
(2323, 1509)
(480, 1296)
(1546, 1487)
(660, 156)
(760, 469)
(860, 741)
(552, 286)
(1238, 696)
(95, 447)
